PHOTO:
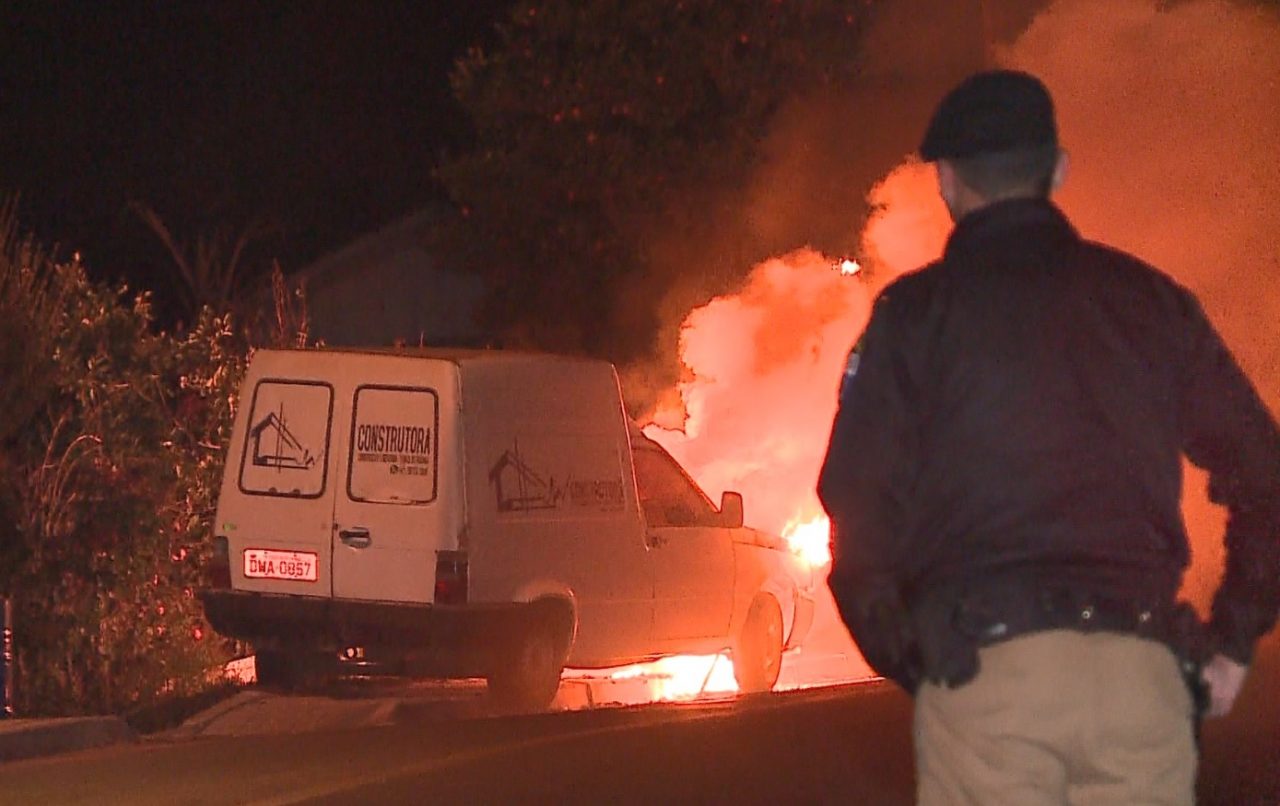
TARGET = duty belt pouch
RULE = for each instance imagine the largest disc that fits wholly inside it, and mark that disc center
(1199, 691)
(879, 623)
(949, 656)
(1187, 637)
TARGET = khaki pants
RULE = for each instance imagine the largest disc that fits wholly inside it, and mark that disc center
(1060, 717)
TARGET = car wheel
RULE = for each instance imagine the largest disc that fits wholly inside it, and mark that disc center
(529, 675)
(292, 669)
(275, 669)
(757, 654)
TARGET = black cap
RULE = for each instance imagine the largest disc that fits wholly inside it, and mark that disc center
(992, 111)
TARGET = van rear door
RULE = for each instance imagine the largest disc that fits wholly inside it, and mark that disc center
(276, 506)
(391, 514)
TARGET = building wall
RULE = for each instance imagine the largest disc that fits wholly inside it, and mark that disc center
(386, 287)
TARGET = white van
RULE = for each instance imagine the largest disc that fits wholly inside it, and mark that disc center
(479, 514)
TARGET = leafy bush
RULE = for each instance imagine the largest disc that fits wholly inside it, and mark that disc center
(111, 457)
(602, 127)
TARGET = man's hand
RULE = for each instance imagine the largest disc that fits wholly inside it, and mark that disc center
(1225, 678)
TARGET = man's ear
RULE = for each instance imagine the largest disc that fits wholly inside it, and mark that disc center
(948, 183)
(951, 189)
(946, 178)
(1060, 170)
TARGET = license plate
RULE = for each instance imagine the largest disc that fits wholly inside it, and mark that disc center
(300, 566)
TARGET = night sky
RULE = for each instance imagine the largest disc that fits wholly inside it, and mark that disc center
(318, 121)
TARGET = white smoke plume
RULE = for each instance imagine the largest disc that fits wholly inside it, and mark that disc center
(764, 369)
(1170, 115)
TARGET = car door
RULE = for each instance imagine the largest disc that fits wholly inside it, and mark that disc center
(390, 516)
(691, 556)
(276, 505)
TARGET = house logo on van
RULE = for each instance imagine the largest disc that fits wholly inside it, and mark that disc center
(519, 488)
(274, 445)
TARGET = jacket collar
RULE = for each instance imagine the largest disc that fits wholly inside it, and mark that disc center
(1006, 221)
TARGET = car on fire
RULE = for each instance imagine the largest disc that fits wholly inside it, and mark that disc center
(479, 514)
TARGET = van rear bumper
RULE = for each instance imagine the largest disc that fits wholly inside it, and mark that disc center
(452, 639)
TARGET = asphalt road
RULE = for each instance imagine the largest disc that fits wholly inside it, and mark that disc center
(748, 749)
(846, 744)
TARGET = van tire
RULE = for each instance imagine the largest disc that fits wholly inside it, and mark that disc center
(528, 675)
(757, 653)
(292, 670)
(274, 669)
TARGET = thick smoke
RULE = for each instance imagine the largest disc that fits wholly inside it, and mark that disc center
(754, 410)
(809, 188)
(1169, 113)
(1171, 123)
(764, 370)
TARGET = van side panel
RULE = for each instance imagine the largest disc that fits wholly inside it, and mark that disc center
(551, 498)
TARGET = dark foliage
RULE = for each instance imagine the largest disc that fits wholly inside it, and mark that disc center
(597, 123)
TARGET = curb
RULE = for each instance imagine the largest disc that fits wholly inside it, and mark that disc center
(197, 724)
(29, 738)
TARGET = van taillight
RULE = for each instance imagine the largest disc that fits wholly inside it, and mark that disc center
(451, 578)
(220, 564)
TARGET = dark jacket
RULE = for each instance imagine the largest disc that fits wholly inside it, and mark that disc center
(1014, 421)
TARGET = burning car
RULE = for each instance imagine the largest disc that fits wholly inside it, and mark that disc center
(479, 514)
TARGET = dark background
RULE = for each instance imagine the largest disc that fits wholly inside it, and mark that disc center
(314, 121)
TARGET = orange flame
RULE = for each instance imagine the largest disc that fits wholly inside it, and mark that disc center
(810, 539)
(848, 267)
(683, 677)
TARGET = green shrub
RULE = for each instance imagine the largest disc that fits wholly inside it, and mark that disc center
(110, 460)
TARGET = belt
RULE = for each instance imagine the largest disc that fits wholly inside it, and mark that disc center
(989, 620)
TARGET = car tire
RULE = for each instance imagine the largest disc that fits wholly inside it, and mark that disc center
(291, 669)
(528, 676)
(757, 654)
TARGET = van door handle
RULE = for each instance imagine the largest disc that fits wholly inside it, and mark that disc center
(655, 540)
(356, 537)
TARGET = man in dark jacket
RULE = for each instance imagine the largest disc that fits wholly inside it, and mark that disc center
(1004, 480)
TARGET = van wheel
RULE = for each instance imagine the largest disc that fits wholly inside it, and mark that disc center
(757, 654)
(529, 675)
(292, 670)
(275, 669)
